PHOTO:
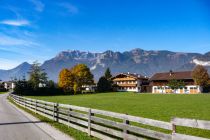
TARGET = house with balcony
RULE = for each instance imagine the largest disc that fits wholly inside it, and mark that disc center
(129, 82)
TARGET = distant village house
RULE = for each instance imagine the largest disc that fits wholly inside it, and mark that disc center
(9, 85)
(89, 88)
(159, 82)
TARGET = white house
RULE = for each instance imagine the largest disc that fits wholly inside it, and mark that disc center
(129, 82)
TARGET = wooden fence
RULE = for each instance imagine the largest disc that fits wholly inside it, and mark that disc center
(109, 125)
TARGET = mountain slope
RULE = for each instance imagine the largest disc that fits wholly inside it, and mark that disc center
(18, 72)
(136, 61)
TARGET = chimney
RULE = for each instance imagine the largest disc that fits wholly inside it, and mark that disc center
(171, 72)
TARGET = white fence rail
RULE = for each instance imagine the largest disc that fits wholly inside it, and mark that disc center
(109, 125)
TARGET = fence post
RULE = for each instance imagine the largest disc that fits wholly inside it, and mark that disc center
(24, 102)
(44, 108)
(125, 131)
(56, 112)
(69, 115)
(89, 121)
(173, 128)
(35, 106)
(18, 100)
(30, 103)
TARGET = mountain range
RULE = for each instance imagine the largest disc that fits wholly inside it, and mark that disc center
(136, 61)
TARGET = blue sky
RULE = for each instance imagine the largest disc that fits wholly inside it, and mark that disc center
(39, 29)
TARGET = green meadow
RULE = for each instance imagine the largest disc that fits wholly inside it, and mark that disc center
(3, 92)
(155, 106)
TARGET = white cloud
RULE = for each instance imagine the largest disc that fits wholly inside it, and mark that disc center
(70, 8)
(6, 40)
(39, 6)
(15, 22)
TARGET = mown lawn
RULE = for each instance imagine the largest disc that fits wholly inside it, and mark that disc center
(3, 92)
(155, 106)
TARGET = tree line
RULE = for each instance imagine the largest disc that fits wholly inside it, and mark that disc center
(37, 84)
(70, 81)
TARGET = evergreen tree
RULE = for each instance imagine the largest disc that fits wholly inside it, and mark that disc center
(21, 86)
(104, 85)
(37, 76)
(108, 74)
(105, 82)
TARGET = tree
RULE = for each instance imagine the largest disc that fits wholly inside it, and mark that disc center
(75, 78)
(107, 74)
(82, 76)
(104, 85)
(200, 75)
(105, 82)
(51, 84)
(66, 80)
(37, 76)
(176, 84)
(22, 86)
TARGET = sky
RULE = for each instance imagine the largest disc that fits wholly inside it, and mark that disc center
(39, 29)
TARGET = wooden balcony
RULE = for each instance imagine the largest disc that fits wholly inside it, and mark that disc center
(127, 85)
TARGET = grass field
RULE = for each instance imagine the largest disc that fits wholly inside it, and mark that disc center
(154, 106)
(2, 92)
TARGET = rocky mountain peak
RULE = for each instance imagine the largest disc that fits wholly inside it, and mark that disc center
(135, 61)
(75, 54)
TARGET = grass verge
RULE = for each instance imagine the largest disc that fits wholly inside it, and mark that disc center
(78, 135)
(3, 92)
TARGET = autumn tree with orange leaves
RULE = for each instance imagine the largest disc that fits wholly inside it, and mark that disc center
(73, 79)
(65, 80)
(200, 75)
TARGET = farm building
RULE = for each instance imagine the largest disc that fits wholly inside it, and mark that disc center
(160, 81)
(130, 82)
(9, 85)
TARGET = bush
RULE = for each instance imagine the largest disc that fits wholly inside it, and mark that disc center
(104, 85)
(3, 90)
(24, 88)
